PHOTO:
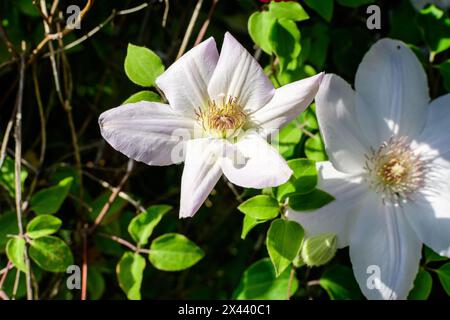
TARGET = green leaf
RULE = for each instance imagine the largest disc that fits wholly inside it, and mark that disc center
(422, 286)
(323, 7)
(142, 65)
(259, 25)
(315, 148)
(435, 25)
(174, 252)
(288, 10)
(130, 273)
(43, 225)
(354, 3)
(260, 207)
(319, 250)
(287, 139)
(28, 8)
(145, 95)
(444, 69)
(141, 227)
(7, 176)
(340, 283)
(8, 226)
(51, 254)
(284, 38)
(310, 201)
(96, 283)
(15, 250)
(431, 256)
(259, 282)
(248, 224)
(318, 36)
(444, 277)
(283, 242)
(49, 200)
(304, 179)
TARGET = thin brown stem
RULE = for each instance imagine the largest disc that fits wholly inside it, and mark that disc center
(112, 197)
(18, 168)
(291, 281)
(205, 25)
(189, 29)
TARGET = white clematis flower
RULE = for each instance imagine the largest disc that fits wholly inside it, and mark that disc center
(221, 108)
(389, 169)
(420, 4)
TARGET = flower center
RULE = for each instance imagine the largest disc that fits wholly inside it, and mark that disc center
(395, 171)
(223, 119)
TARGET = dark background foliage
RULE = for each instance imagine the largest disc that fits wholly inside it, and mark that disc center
(93, 80)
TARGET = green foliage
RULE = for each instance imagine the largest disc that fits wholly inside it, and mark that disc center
(51, 254)
(444, 69)
(144, 95)
(142, 65)
(444, 277)
(283, 242)
(354, 3)
(260, 207)
(141, 227)
(315, 148)
(431, 256)
(284, 39)
(50, 200)
(8, 226)
(248, 223)
(43, 225)
(174, 252)
(275, 31)
(303, 181)
(323, 7)
(340, 283)
(15, 250)
(310, 201)
(129, 272)
(7, 176)
(259, 282)
(422, 286)
(435, 25)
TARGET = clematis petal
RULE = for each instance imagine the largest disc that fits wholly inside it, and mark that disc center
(435, 140)
(429, 211)
(200, 175)
(239, 75)
(392, 92)
(149, 132)
(344, 140)
(287, 103)
(384, 250)
(185, 83)
(337, 216)
(253, 163)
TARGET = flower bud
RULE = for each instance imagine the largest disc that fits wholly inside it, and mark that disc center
(319, 250)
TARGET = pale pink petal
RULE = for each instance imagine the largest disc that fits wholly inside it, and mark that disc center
(287, 103)
(200, 175)
(149, 132)
(392, 92)
(344, 139)
(239, 75)
(185, 82)
(253, 163)
(384, 250)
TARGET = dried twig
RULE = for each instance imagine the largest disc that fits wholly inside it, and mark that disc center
(18, 167)
(112, 197)
(205, 25)
(189, 29)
